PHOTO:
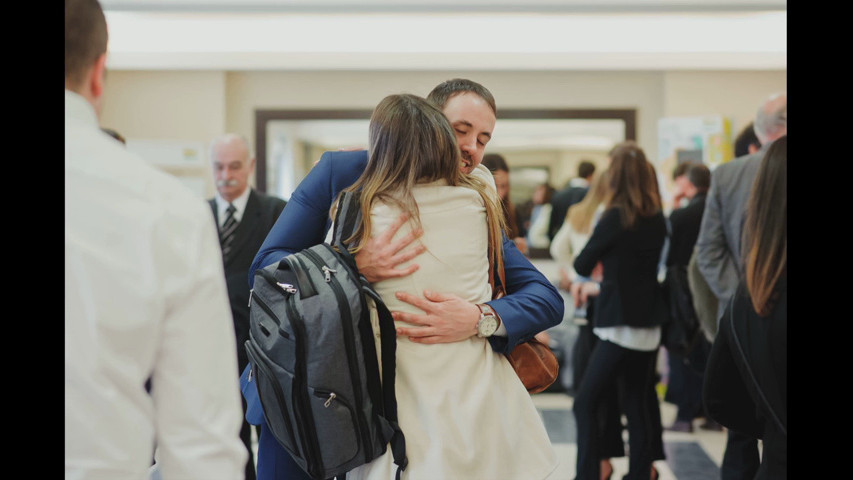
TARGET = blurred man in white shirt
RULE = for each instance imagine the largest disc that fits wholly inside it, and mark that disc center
(144, 297)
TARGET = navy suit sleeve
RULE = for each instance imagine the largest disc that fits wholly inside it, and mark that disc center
(532, 303)
(305, 219)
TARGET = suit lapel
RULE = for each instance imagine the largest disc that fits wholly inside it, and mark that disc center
(212, 203)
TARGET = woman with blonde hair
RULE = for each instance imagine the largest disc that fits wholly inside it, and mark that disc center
(461, 406)
(576, 229)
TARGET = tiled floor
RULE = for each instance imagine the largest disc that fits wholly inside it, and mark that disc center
(690, 456)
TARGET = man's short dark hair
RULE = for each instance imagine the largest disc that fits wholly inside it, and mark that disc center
(585, 169)
(495, 162)
(448, 89)
(746, 138)
(680, 169)
(699, 175)
(85, 37)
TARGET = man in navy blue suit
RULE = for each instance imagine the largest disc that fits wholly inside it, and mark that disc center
(532, 303)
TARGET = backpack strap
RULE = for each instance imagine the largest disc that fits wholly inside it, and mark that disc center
(748, 369)
(388, 339)
(347, 218)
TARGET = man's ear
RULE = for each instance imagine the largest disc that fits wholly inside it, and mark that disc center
(96, 76)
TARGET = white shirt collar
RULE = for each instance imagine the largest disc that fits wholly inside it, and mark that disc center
(79, 108)
(579, 182)
(239, 203)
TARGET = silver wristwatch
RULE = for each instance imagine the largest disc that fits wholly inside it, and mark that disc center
(488, 322)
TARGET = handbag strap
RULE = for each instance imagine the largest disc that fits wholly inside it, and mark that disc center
(748, 369)
(500, 271)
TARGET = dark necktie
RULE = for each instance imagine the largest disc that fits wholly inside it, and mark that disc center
(226, 233)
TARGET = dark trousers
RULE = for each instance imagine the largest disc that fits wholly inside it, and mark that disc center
(274, 463)
(686, 386)
(609, 412)
(653, 406)
(633, 373)
(741, 459)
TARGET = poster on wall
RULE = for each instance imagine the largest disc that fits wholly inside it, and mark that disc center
(169, 153)
(706, 139)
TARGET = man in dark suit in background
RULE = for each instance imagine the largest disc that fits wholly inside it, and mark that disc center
(244, 217)
(686, 221)
(719, 255)
(685, 383)
(568, 196)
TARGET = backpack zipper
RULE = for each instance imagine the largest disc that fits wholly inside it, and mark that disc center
(346, 322)
(269, 312)
(308, 432)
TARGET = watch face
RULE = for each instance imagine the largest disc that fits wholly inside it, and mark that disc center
(487, 325)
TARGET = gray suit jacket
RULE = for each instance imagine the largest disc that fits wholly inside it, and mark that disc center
(718, 248)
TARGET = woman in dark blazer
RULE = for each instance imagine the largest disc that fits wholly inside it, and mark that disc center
(746, 387)
(627, 241)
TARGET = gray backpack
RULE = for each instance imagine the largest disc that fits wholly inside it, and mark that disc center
(312, 353)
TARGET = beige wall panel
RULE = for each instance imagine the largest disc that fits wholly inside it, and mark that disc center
(735, 95)
(166, 105)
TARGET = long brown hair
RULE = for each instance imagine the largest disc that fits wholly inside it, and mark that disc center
(765, 234)
(580, 214)
(411, 143)
(633, 183)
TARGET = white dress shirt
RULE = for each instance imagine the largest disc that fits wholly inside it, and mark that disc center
(239, 206)
(145, 297)
(537, 234)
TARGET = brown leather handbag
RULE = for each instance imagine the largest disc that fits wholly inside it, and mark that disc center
(533, 361)
(535, 364)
